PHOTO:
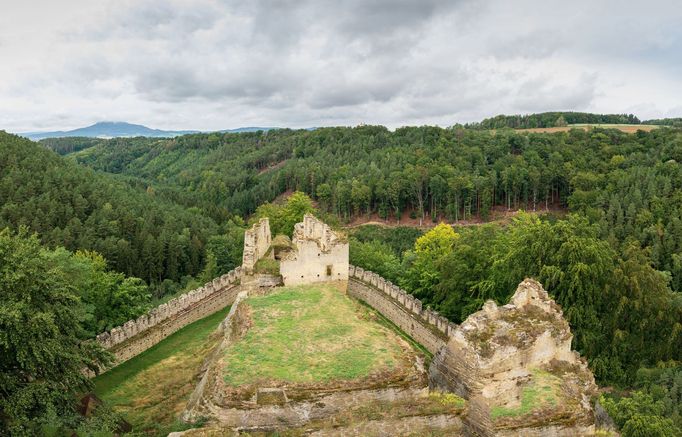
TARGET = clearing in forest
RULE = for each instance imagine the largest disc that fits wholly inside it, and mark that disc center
(627, 128)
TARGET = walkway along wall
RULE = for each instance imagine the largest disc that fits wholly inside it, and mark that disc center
(136, 336)
(425, 326)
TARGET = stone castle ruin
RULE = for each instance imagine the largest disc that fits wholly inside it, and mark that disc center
(319, 254)
(315, 254)
(513, 364)
(503, 357)
(256, 244)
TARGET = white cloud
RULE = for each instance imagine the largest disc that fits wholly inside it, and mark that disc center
(215, 64)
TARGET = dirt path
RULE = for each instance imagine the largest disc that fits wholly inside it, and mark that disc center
(498, 215)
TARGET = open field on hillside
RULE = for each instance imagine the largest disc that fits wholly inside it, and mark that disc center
(152, 388)
(308, 335)
(627, 128)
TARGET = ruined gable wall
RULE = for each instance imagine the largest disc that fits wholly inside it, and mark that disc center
(320, 255)
(256, 244)
(136, 336)
(425, 326)
(310, 264)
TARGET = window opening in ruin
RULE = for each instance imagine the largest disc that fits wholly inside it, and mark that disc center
(329, 270)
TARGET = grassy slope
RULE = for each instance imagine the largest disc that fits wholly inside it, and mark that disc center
(152, 388)
(309, 334)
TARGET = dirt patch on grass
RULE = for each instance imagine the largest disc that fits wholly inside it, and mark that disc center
(498, 214)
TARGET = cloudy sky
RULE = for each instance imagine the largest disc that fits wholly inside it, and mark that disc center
(218, 64)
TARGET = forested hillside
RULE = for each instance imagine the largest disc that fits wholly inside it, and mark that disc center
(74, 207)
(172, 210)
(552, 119)
(677, 121)
(628, 185)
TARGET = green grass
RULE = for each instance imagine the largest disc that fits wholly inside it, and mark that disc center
(309, 334)
(541, 392)
(267, 266)
(152, 388)
(382, 320)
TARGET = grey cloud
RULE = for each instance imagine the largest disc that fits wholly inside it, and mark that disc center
(536, 44)
(178, 82)
(539, 94)
(151, 19)
(204, 63)
(340, 94)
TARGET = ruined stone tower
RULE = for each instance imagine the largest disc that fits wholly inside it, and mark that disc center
(316, 253)
(256, 244)
(319, 254)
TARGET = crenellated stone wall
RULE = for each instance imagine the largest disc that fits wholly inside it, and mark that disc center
(256, 244)
(320, 254)
(424, 325)
(136, 336)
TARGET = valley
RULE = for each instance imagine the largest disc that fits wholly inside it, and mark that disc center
(134, 223)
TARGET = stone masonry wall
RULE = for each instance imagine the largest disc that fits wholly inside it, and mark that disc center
(492, 358)
(320, 255)
(256, 243)
(425, 326)
(136, 336)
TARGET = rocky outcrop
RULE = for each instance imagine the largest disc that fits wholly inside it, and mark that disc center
(232, 328)
(515, 365)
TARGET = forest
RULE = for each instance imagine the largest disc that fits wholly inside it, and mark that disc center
(627, 185)
(552, 119)
(112, 227)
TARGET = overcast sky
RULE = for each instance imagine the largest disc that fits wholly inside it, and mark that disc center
(218, 64)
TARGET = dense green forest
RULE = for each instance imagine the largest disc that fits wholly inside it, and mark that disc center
(44, 316)
(172, 213)
(676, 122)
(628, 185)
(66, 145)
(138, 233)
(552, 119)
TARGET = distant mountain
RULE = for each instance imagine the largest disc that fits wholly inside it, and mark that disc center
(114, 129)
(108, 129)
(246, 129)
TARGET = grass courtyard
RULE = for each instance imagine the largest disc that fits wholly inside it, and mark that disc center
(308, 335)
(152, 388)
